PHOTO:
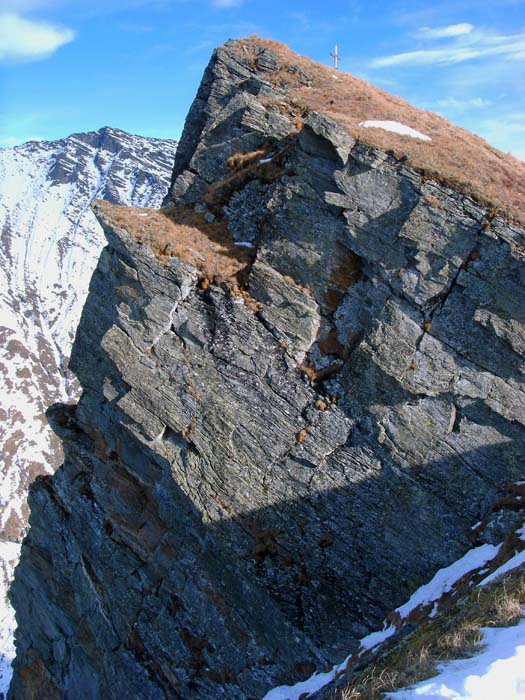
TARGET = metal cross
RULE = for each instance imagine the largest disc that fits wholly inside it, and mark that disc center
(336, 57)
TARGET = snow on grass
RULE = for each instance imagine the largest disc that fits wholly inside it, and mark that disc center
(496, 673)
(445, 578)
(245, 244)
(375, 638)
(294, 692)
(396, 127)
(517, 560)
(441, 583)
(513, 563)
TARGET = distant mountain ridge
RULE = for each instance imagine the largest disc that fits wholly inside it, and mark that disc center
(50, 243)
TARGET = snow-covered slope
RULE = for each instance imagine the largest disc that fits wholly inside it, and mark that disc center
(495, 672)
(50, 242)
(498, 671)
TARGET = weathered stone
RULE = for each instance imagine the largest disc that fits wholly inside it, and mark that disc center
(213, 532)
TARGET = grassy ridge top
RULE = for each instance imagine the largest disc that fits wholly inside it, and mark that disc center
(454, 156)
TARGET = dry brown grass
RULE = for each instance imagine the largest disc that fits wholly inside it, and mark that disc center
(513, 499)
(454, 156)
(181, 233)
(243, 168)
(452, 634)
(508, 606)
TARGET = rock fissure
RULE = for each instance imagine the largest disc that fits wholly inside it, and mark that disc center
(301, 386)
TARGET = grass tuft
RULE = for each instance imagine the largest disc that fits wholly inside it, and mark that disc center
(453, 634)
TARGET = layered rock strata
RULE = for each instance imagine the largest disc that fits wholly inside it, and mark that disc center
(249, 488)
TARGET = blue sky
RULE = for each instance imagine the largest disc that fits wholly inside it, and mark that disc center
(76, 65)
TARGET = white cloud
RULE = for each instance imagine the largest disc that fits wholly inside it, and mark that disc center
(453, 103)
(28, 40)
(479, 44)
(227, 3)
(444, 32)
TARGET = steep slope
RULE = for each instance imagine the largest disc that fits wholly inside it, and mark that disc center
(471, 611)
(50, 243)
(302, 383)
(293, 85)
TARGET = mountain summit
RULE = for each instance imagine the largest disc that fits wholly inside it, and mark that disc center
(291, 86)
(302, 387)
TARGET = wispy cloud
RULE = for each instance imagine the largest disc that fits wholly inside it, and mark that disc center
(444, 32)
(227, 3)
(506, 133)
(29, 40)
(458, 105)
(465, 47)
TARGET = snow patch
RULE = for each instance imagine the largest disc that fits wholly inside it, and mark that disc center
(9, 555)
(294, 692)
(513, 563)
(517, 560)
(445, 578)
(497, 672)
(375, 638)
(396, 127)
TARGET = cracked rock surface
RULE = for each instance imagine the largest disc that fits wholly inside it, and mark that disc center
(246, 493)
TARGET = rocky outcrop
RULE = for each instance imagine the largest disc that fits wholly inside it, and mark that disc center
(249, 487)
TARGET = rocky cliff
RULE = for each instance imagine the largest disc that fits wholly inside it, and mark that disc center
(50, 242)
(302, 385)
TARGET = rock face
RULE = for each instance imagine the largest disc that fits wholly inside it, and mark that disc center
(248, 489)
(50, 243)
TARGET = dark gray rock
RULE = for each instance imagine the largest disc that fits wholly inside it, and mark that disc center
(219, 525)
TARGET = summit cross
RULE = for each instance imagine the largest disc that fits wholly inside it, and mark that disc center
(335, 55)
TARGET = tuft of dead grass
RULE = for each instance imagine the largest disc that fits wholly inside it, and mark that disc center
(262, 165)
(452, 634)
(184, 234)
(454, 156)
(508, 605)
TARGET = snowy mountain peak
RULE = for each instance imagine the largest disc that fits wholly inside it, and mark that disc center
(50, 243)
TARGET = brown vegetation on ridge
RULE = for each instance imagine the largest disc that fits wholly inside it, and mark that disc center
(182, 233)
(454, 156)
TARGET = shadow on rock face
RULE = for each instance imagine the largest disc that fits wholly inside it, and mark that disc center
(221, 524)
(223, 556)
